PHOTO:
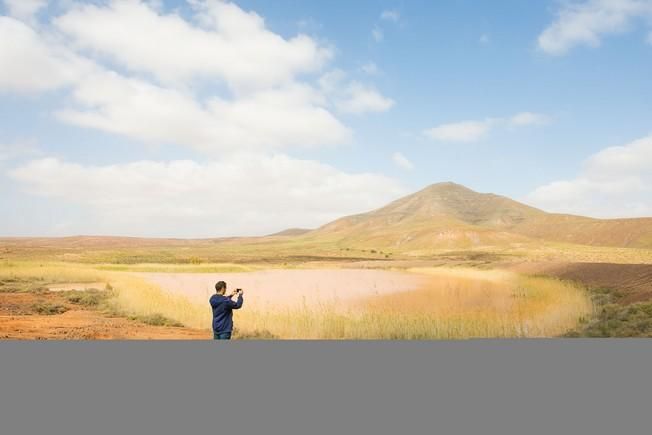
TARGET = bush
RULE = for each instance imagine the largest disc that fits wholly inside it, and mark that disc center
(620, 321)
(157, 320)
(255, 335)
(15, 285)
(89, 298)
(49, 309)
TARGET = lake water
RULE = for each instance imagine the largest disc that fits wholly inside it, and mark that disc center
(288, 288)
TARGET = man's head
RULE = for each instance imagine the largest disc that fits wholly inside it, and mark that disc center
(220, 287)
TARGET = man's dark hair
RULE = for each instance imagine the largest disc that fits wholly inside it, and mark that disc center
(221, 285)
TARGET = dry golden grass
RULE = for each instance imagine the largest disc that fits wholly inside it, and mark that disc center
(177, 268)
(137, 297)
(51, 272)
(456, 304)
(550, 251)
(463, 303)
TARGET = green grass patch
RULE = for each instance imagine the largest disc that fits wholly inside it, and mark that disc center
(613, 320)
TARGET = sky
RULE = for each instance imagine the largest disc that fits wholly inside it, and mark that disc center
(208, 118)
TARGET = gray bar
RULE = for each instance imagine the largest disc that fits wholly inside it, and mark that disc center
(468, 387)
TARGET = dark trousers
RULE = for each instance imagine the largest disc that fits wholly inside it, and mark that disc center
(221, 335)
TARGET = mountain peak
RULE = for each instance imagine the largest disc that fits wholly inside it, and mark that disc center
(446, 185)
(456, 201)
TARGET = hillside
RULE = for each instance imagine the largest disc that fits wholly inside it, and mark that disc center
(627, 233)
(448, 215)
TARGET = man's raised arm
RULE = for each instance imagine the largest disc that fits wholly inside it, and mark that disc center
(237, 304)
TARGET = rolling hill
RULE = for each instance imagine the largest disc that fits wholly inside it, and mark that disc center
(448, 215)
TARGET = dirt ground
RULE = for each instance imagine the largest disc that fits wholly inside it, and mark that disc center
(22, 317)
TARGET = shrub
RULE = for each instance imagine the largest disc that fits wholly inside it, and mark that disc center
(621, 321)
(257, 334)
(89, 298)
(156, 320)
(48, 309)
(195, 260)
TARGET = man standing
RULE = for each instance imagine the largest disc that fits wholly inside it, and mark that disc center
(223, 307)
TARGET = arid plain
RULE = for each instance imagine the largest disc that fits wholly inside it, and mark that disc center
(443, 263)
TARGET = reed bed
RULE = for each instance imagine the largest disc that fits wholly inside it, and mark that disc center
(454, 304)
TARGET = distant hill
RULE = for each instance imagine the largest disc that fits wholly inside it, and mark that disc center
(448, 215)
(290, 232)
(441, 216)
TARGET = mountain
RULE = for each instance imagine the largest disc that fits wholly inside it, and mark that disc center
(441, 216)
(448, 215)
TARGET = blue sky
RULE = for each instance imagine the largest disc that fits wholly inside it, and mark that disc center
(208, 118)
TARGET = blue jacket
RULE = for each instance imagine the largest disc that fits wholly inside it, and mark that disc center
(223, 312)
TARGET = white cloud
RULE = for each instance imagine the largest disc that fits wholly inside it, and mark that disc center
(377, 34)
(529, 118)
(31, 63)
(390, 15)
(402, 162)
(465, 131)
(472, 131)
(615, 182)
(370, 68)
(241, 195)
(386, 16)
(15, 150)
(228, 43)
(363, 99)
(351, 96)
(233, 45)
(24, 10)
(271, 119)
(332, 81)
(269, 101)
(585, 23)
